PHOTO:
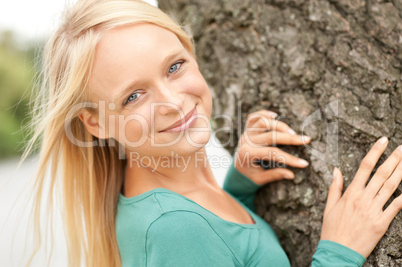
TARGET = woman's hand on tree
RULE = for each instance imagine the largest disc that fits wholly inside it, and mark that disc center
(261, 132)
(356, 219)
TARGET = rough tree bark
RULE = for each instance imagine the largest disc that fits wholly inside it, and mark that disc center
(331, 69)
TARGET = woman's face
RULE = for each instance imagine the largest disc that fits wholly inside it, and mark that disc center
(144, 81)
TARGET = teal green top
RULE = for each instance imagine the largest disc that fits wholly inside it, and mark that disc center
(163, 228)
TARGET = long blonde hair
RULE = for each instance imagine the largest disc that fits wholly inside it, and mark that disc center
(90, 177)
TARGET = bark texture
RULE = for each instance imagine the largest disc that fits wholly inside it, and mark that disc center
(331, 69)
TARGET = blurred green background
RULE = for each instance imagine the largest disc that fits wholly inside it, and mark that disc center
(24, 27)
(17, 70)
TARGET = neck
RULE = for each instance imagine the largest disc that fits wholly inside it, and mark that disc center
(180, 173)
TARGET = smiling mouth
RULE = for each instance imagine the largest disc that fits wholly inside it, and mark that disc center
(183, 124)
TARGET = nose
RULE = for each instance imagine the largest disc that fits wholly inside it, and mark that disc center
(168, 100)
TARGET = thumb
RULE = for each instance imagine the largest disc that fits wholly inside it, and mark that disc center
(335, 190)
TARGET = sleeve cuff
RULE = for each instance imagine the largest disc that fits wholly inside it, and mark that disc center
(237, 182)
(328, 247)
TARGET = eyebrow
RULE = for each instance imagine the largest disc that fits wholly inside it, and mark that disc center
(128, 88)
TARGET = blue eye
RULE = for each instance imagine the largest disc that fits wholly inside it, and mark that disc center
(132, 97)
(175, 66)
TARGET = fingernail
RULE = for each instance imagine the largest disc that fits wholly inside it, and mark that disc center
(273, 114)
(400, 148)
(292, 132)
(289, 176)
(334, 173)
(383, 140)
(303, 162)
(305, 138)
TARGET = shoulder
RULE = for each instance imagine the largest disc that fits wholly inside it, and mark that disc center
(157, 227)
(136, 213)
(139, 213)
(185, 238)
(183, 224)
(179, 216)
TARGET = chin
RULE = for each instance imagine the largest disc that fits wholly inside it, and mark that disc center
(198, 139)
(191, 142)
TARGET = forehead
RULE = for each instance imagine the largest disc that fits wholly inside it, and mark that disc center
(129, 52)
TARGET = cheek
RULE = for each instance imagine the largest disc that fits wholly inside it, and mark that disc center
(206, 97)
(132, 129)
(208, 101)
(196, 85)
(135, 129)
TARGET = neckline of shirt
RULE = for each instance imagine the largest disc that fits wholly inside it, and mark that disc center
(128, 200)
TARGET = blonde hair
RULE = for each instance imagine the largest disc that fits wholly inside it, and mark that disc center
(90, 177)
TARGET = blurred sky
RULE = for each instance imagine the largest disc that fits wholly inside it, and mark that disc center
(33, 18)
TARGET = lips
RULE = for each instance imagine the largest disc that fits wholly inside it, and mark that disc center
(184, 123)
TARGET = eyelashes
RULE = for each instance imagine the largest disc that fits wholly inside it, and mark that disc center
(131, 98)
(174, 68)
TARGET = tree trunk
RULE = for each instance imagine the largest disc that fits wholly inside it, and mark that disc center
(331, 69)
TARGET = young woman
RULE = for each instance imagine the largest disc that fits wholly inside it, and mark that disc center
(124, 118)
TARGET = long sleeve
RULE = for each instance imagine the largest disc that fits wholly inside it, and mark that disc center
(328, 253)
(332, 254)
(240, 186)
(185, 238)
